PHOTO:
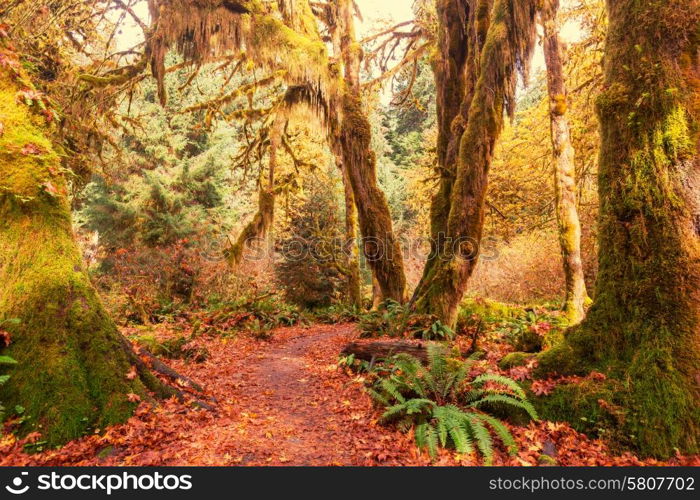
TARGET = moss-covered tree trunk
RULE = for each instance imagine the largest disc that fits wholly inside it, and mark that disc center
(351, 250)
(260, 225)
(508, 36)
(72, 366)
(454, 85)
(380, 245)
(564, 169)
(643, 328)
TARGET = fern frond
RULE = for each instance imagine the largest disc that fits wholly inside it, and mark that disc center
(482, 438)
(507, 400)
(377, 397)
(501, 431)
(390, 387)
(431, 441)
(502, 380)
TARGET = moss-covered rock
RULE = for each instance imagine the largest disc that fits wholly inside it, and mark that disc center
(514, 359)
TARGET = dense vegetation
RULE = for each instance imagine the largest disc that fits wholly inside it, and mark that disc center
(515, 242)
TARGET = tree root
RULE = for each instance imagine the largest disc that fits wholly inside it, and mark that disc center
(161, 389)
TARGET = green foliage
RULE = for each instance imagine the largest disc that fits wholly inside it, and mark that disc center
(392, 319)
(312, 268)
(4, 361)
(257, 316)
(528, 329)
(388, 320)
(446, 405)
(338, 313)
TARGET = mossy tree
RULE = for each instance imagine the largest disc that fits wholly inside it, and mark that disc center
(568, 221)
(381, 246)
(643, 328)
(286, 39)
(502, 41)
(73, 365)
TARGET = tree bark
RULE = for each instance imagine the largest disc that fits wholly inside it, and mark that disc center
(72, 368)
(508, 42)
(381, 247)
(354, 290)
(643, 328)
(564, 169)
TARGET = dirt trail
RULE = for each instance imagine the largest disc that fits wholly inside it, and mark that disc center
(287, 385)
(279, 402)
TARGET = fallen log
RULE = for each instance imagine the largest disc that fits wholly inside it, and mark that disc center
(373, 351)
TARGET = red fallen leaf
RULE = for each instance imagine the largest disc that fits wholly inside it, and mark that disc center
(33, 437)
(50, 188)
(5, 338)
(543, 387)
(131, 374)
(519, 373)
(31, 149)
(596, 376)
(134, 398)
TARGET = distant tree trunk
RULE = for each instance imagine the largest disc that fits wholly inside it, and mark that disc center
(376, 294)
(71, 375)
(261, 224)
(564, 169)
(643, 328)
(508, 42)
(380, 246)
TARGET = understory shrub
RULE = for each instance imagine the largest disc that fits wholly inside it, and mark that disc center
(392, 319)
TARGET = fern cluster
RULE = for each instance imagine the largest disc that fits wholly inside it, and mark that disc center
(445, 406)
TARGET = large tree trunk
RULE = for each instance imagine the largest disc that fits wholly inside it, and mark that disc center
(455, 78)
(644, 326)
(564, 169)
(381, 247)
(71, 374)
(508, 42)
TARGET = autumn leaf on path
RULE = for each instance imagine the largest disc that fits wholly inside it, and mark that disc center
(133, 398)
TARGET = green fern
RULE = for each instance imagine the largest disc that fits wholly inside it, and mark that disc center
(4, 360)
(445, 407)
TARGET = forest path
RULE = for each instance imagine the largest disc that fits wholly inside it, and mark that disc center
(283, 401)
(285, 384)
(286, 402)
